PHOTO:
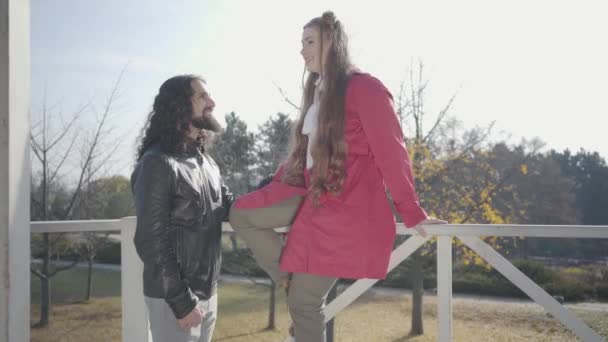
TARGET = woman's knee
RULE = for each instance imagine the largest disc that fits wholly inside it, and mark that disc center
(238, 218)
(302, 301)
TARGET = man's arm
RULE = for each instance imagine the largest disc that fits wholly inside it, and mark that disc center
(227, 200)
(154, 236)
(265, 181)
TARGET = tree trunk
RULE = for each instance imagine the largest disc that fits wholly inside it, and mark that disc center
(89, 280)
(272, 306)
(233, 241)
(417, 293)
(45, 301)
(45, 286)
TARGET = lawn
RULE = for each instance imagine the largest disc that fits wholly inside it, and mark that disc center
(243, 312)
(70, 286)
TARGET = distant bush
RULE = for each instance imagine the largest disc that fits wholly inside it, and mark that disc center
(571, 290)
(573, 283)
(110, 253)
(537, 271)
(475, 283)
(601, 290)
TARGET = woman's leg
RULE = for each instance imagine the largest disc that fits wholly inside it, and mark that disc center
(256, 228)
(306, 300)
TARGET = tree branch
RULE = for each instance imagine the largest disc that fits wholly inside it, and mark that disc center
(63, 159)
(36, 148)
(68, 127)
(63, 268)
(37, 273)
(285, 98)
(440, 118)
(473, 208)
(93, 145)
(446, 166)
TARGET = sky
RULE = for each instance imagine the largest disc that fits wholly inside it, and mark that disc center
(538, 69)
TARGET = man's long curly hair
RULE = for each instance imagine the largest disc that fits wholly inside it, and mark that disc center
(170, 116)
(329, 150)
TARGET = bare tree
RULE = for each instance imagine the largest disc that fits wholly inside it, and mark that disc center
(410, 106)
(44, 143)
(448, 156)
(53, 148)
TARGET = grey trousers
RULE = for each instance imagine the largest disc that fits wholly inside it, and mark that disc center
(307, 292)
(164, 326)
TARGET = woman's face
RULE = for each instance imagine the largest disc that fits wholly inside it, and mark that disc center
(314, 58)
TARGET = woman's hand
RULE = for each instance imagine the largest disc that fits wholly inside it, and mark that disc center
(429, 220)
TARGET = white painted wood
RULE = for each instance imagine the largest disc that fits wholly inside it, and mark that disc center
(523, 230)
(76, 226)
(135, 325)
(227, 228)
(531, 289)
(14, 170)
(360, 286)
(444, 287)
(135, 314)
(512, 230)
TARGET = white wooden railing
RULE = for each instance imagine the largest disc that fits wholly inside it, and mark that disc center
(469, 234)
(134, 313)
(134, 316)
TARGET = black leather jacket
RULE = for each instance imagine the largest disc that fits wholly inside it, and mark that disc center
(180, 203)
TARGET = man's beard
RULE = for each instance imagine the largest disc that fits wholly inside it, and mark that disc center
(200, 143)
(209, 126)
(208, 123)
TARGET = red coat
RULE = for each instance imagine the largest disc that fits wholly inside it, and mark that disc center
(351, 235)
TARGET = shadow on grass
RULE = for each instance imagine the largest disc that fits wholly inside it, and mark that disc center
(407, 337)
(252, 334)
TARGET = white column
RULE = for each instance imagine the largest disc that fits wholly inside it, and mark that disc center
(444, 287)
(135, 326)
(14, 170)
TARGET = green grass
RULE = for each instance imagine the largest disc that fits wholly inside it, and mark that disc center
(70, 286)
(243, 316)
(97, 320)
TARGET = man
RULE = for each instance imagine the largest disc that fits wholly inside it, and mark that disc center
(180, 204)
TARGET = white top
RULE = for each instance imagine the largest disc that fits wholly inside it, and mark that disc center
(311, 121)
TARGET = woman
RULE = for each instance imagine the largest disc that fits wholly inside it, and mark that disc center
(346, 147)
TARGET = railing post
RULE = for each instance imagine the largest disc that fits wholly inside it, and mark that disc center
(444, 287)
(135, 325)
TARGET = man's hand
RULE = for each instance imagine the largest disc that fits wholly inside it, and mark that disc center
(264, 181)
(193, 319)
(429, 220)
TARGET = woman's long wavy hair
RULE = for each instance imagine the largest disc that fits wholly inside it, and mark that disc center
(329, 150)
(170, 116)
